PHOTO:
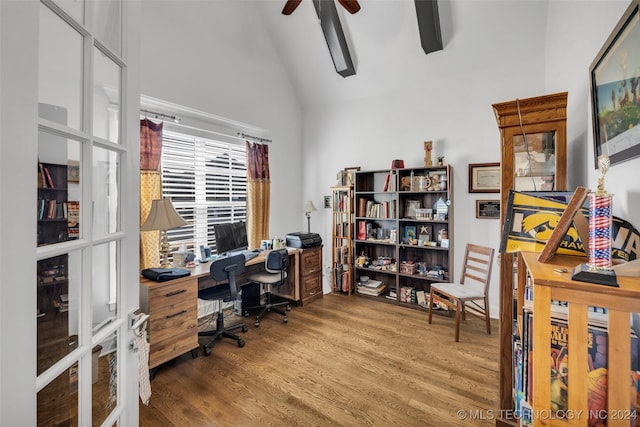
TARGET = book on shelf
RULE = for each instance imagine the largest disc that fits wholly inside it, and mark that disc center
(372, 287)
(362, 230)
(362, 207)
(48, 179)
(60, 305)
(73, 219)
(42, 180)
(385, 186)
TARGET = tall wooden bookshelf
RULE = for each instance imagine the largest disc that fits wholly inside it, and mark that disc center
(403, 232)
(342, 239)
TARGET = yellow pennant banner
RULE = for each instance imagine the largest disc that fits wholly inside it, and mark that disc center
(530, 220)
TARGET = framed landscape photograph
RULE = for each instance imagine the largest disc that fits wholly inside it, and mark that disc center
(615, 84)
(484, 177)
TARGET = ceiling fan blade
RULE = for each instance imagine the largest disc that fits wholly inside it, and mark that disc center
(352, 6)
(290, 6)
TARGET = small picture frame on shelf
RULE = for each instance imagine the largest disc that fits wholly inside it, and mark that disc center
(424, 214)
(410, 234)
(411, 207)
(350, 175)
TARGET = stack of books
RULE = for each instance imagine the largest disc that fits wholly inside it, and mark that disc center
(372, 287)
(61, 302)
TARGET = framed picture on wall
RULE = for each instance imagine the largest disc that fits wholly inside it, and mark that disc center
(484, 177)
(615, 103)
(488, 209)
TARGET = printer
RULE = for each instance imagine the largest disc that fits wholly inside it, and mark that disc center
(303, 240)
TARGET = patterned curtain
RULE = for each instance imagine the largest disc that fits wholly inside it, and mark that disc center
(150, 188)
(258, 193)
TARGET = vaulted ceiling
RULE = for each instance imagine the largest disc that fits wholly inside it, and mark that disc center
(382, 37)
(384, 43)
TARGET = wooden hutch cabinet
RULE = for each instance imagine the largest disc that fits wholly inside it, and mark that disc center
(533, 140)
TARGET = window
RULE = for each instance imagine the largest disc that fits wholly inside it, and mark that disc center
(206, 180)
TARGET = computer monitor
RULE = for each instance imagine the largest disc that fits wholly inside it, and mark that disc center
(231, 237)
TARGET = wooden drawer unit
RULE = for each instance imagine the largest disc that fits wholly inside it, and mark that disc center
(173, 323)
(311, 274)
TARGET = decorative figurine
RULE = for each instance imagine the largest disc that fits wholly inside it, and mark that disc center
(428, 146)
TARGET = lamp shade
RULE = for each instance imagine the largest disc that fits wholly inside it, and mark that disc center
(162, 216)
(309, 207)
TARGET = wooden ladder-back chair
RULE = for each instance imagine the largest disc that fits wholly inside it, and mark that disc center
(474, 286)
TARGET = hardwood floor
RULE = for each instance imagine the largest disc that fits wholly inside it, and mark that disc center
(340, 361)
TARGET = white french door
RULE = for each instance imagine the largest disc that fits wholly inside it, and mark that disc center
(77, 99)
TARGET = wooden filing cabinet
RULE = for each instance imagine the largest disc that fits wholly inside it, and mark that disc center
(173, 322)
(310, 274)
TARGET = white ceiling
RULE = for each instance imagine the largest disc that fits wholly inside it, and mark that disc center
(384, 43)
(382, 38)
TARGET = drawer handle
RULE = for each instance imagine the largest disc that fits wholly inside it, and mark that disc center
(169, 316)
(181, 291)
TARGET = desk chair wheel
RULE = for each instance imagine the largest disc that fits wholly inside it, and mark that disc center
(207, 351)
(285, 320)
(244, 329)
(256, 323)
(240, 342)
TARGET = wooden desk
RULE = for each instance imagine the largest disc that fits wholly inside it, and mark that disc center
(173, 306)
(549, 284)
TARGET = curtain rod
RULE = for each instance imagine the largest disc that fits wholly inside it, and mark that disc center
(255, 138)
(157, 114)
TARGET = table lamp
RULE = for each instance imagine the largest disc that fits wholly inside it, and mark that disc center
(308, 208)
(163, 217)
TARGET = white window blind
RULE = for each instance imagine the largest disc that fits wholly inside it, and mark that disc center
(206, 180)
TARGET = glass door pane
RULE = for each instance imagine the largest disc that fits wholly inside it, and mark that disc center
(58, 295)
(107, 23)
(104, 285)
(59, 188)
(58, 400)
(60, 74)
(106, 97)
(534, 162)
(105, 192)
(104, 379)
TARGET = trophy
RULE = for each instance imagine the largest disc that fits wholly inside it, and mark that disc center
(598, 268)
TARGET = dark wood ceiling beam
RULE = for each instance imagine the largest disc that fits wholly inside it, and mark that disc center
(333, 34)
(429, 25)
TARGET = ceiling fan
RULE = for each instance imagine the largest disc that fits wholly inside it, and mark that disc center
(351, 6)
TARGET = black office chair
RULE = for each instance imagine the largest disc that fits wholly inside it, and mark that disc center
(275, 274)
(223, 269)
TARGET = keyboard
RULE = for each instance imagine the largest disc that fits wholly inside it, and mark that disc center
(250, 254)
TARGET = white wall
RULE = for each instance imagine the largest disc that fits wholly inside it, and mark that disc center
(218, 57)
(213, 56)
(486, 60)
(575, 36)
